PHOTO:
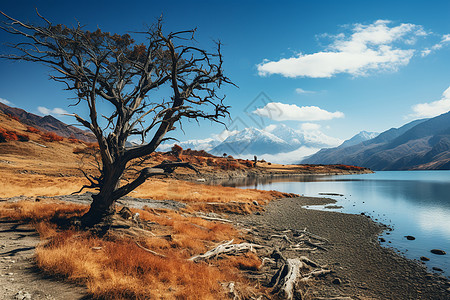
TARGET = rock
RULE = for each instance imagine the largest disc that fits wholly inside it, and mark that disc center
(410, 237)
(382, 240)
(21, 295)
(126, 213)
(336, 281)
(438, 251)
(437, 269)
(424, 258)
(255, 202)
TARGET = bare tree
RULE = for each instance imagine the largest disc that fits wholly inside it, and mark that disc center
(112, 67)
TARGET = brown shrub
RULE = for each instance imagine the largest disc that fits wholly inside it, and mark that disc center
(51, 137)
(201, 153)
(210, 162)
(7, 135)
(32, 129)
(90, 149)
(249, 164)
(23, 137)
(13, 117)
(72, 139)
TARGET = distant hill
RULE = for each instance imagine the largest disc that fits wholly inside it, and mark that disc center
(47, 123)
(359, 138)
(421, 144)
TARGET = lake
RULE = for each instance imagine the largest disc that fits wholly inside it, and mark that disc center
(415, 203)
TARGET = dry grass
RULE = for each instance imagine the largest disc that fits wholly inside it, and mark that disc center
(193, 192)
(34, 212)
(31, 185)
(121, 270)
(114, 267)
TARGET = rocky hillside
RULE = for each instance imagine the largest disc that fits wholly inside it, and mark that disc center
(47, 123)
(421, 144)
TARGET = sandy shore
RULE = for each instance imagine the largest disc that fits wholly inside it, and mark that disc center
(362, 269)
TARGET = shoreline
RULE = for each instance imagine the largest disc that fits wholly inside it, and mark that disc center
(361, 267)
(260, 174)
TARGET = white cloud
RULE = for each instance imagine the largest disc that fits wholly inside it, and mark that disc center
(224, 135)
(309, 126)
(292, 157)
(302, 91)
(290, 112)
(369, 48)
(445, 39)
(55, 111)
(432, 109)
(4, 101)
(270, 128)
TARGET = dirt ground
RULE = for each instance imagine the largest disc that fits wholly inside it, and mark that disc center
(361, 268)
(19, 277)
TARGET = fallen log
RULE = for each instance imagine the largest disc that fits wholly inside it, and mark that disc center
(319, 273)
(214, 219)
(309, 243)
(285, 280)
(285, 237)
(226, 248)
(150, 251)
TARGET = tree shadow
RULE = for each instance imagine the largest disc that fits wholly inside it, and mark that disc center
(34, 270)
(15, 251)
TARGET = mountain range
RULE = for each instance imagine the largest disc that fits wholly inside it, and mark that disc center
(47, 123)
(421, 144)
(273, 140)
(279, 143)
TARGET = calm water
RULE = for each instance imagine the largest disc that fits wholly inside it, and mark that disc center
(413, 203)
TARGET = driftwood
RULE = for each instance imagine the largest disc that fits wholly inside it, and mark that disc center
(312, 235)
(318, 273)
(226, 248)
(150, 251)
(309, 243)
(285, 237)
(214, 219)
(286, 278)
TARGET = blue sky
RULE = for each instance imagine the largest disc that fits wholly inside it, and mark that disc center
(337, 67)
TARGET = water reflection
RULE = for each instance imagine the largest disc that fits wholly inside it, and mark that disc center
(254, 182)
(412, 202)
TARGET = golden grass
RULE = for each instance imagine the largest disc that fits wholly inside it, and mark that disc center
(115, 267)
(121, 270)
(193, 192)
(34, 212)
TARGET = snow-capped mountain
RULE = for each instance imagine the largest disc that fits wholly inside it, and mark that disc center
(277, 143)
(359, 138)
(274, 140)
(253, 141)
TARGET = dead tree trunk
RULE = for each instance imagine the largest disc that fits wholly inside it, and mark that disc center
(112, 67)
